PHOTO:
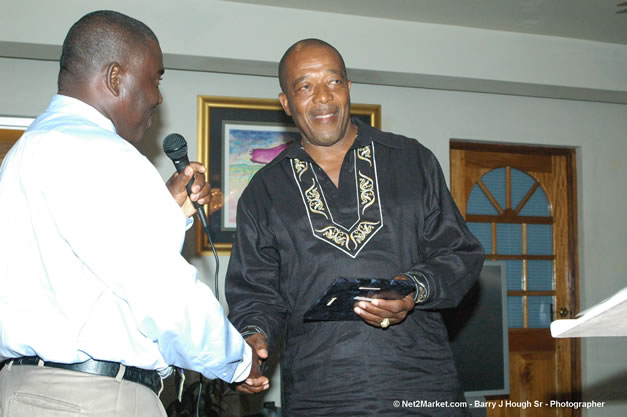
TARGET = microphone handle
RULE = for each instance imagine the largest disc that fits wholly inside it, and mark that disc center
(200, 212)
(180, 165)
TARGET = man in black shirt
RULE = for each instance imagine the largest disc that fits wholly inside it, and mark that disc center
(349, 201)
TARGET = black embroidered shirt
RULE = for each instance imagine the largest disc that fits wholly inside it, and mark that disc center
(297, 232)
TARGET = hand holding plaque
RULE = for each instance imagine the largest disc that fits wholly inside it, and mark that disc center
(337, 302)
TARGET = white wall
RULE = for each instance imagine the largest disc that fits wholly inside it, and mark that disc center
(224, 29)
(220, 29)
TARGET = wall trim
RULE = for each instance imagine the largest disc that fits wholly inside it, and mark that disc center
(41, 52)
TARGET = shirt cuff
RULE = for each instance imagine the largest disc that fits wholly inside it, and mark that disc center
(189, 222)
(243, 369)
(422, 286)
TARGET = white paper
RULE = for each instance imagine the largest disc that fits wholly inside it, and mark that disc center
(607, 318)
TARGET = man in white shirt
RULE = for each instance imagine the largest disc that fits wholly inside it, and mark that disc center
(96, 302)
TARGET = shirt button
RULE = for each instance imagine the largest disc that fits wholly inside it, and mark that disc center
(224, 374)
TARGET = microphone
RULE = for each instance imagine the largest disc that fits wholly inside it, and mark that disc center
(175, 147)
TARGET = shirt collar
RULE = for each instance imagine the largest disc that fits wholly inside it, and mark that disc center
(365, 135)
(67, 104)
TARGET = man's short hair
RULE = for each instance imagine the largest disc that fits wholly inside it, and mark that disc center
(297, 47)
(99, 38)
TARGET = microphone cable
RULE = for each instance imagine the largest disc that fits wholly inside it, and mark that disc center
(205, 227)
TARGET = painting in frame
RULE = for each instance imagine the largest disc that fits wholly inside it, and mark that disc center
(236, 138)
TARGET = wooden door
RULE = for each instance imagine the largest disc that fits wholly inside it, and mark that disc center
(520, 202)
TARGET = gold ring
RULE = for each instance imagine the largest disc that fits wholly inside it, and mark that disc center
(385, 323)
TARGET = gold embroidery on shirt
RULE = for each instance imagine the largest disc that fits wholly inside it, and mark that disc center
(301, 167)
(315, 201)
(336, 235)
(349, 241)
(366, 191)
(361, 233)
(365, 154)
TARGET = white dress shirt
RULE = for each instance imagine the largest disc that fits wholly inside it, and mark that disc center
(90, 262)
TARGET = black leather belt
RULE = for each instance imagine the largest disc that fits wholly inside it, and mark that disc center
(150, 379)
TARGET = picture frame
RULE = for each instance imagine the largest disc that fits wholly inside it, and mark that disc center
(236, 137)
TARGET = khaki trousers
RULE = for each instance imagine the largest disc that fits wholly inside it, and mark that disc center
(39, 391)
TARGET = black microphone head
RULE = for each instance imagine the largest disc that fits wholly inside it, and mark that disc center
(175, 146)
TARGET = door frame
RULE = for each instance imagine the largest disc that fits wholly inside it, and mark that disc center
(570, 155)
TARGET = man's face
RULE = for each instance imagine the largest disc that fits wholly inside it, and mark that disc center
(317, 95)
(139, 93)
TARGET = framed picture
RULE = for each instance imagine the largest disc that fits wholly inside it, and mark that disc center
(238, 136)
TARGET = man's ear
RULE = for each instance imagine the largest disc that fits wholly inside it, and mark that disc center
(284, 103)
(113, 78)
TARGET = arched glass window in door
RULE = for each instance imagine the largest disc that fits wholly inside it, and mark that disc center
(509, 213)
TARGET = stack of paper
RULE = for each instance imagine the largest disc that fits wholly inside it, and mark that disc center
(608, 318)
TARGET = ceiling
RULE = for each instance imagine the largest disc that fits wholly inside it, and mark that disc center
(595, 20)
